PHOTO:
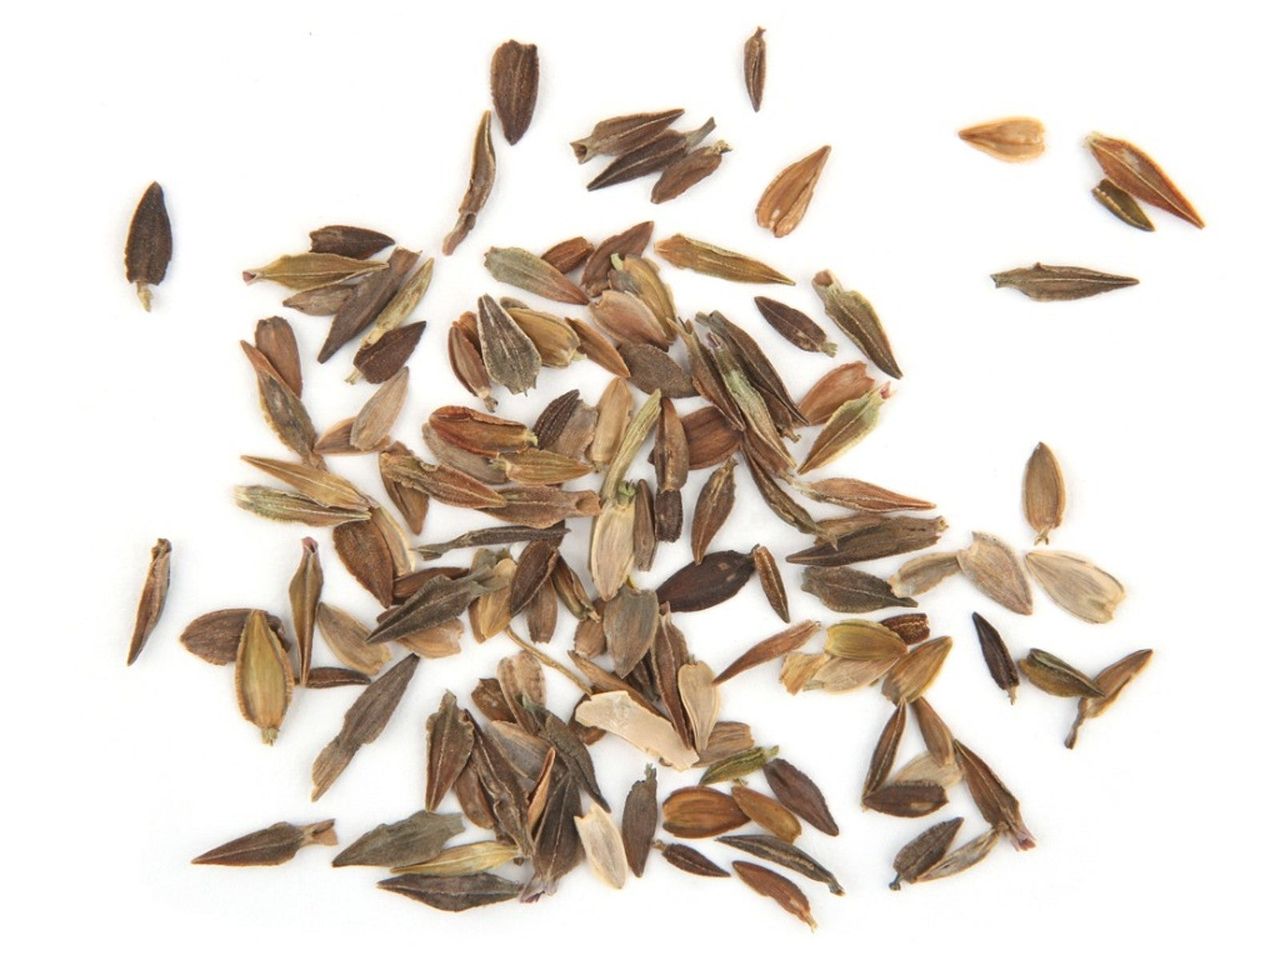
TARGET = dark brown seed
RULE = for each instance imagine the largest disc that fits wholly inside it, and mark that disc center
(712, 439)
(1047, 282)
(362, 723)
(630, 242)
(644, 531)
(411, 503)
(630, 625)
(557, 847)
(503, 785)
(325, 678)
(509, 355)
(886, 751)
(651, 157)
(556, 416)
(777, 888)
(907, 799)
(770, 578)
(996, 654)
(784, 854)
(691, 169)
(850, 591)
(513, 83)
(800, 795)
(1121, 205)
(924, 851)
(454, 894)
(567, 255)
(874, 537)
(534, 568)
(155, 588)
(1135, 172)
(415, 839)
(364, 552)
(715, 503)
(276, 844)
(438, 601)
(699, 586)
(653, 369)
(382, 359)
(854, 314)
(215, 637)
(683, 857)
(449, 739)
(480, 185)
(770, 648)
(753, 67)
(640, 820)
(795, 326)
(572, 753)
(998, 806)
(355, 242)
(149, 247)
(618, 135)
(363, 306)
(911, 627)
(692, 812)
(275, 340)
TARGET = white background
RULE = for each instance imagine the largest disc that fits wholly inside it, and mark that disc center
(265, 121)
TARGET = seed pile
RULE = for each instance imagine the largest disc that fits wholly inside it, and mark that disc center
(512, 767)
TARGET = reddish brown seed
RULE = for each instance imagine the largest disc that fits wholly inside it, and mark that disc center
(777, 888)
(800, 795)
(567, 255)
(775, 591)
(155, 589)
(753, 67)
(274, 338)
(480, 185)
(276, 844)
(632, 241)
(513, 82)
(997, 804)
(692, 812)
(365, 553)
(907, 799)
(886, 751)
(684, 857)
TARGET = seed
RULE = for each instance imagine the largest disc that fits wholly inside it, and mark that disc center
(619, 135)
(906, 799)
(509, 355)
(700, 586)
(630, 624)
(700, 812)
(737, 765)
(962, 858)
(1111, 681)
(1121, 205)
(853, 314)
(911, 676)
(1044, 493)
(617, 712)
(715, 503)
(700, 697)
(567, 255)
(783, 204)
(924, 851)
(681, 251)
(795, 326)
(513, 82)
(849, 381)
(463, 860)
(850, 591)
(149, 247)
(784, 854)
(886, 751)
(1047, 282)
(275, 340)
(368, 302)
(652, 156)
(766, 812)
(347, 241)
(415, 839)
(770, 648)
(640, 820)
(800, 795)
(454, 894)
(775, 591)
(753, 67)
(996, 655)
(276, 844)
(998, 806)
(687, 171)
(993, 568)
(304, 600)
(378, 415)
(306, 270)
(1054, 675)
(264, 678)
(602, 842)
(155, 588)
(871, 536)
(779, 889)
(380, 361)
(1076, 585)
(923, 573)
(1015, 139)
(630, 242)
(479, 186)
(689, 860)
(863, 640)
(1135, 172)
(528, 271)
(652, 369)
(215, 637)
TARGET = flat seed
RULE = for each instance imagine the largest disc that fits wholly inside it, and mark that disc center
(1014, 139)
(620, 134)
(528, 271)
(1111, 681)
(912, 675)
(684, 857)
(753, 67)
(854, 315)
(454, 894)
(1121, 205)
(997, 804)
(347, 241)
(795, 326)
(602, 842)
(149, 246)
(800, 795)
(996, 656)
(906, 799)
(513, 83)
(640, 820)
(993, 568)
(700, 586)
(692, 168)
(416, 838)
(923, 573)
(688, 254)
(1054, 675)
(850, 591)
(155, 588)
(264, 678)
(782, 852)
(777, 888)
(692, 812)
(479, 186)
(1076, 584)
(783, 204)
(275, 340)
(304, 599)
(1047, 282)
(1135, 172)
(770, 648)
(924, 851)
(276, 844)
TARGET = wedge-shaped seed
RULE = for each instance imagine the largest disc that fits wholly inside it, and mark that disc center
(454, 894)
(758, 368)
(450, 736)
(1076, 585)
(442, 640)
(711, 438)
(362, 723)
(962, 858)
(906, 799)
(467, 363)
(1121, 205)
(411, 503)
(753, 409)
(479, 186)
(319, 486)
(633, 273)
(368, 302)
(491, 613)
(275, 340)
(365, 553)
(1014, 139)
(911, 627)
(513, 83)
(753, 67)
(557, 847)
(629, 444)
(911, 676)
(688, 254)
(783, 204)
(653, 369)
(766, 812)
(264, 678)
(464, 860)
(870, 537)
(534, 568)
(701, 699)
(437, 602)
(683, 857)
(650, 157)
(304, 599)
(567, 255)
(528, 271)
(380, 361)
(924, 851)
(155, 588)
(215, 637)
(886, 751)
(993, 568)
(863, 640)
(850, 591)
(602, 842)
(336, 441)
(795, 326)
(707, 378)
(347, 241)
(777, 888)
(624, 316)
(630, 624)
(832, 674)
(282, 409)
(618, 713)
(273, 845)
(800, 795)
(416, 838)
(1054, 675)
(700, 586)
(783, 853)
(670, 453)
(859, 495)
(996, 656)
(304, 270)
(1044, 493)
(1111, 681)
(1045, 281)
(692, 812)
(630, 242)
(770, 577)
(849, 381)
(692, 168)
(618, 135)
(854, 315)
(1135, 172)
(322, 301)
(770, 648)
(149, 246)
(923, 573)
(640, 820)
(998, 806)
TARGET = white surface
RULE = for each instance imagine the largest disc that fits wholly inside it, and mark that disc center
(263, 123)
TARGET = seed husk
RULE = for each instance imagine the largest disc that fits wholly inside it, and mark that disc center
(528, 271)
(935, 733)
(633, 437)
(700, 586)
(921, 574)
(466, 859)
(566, 425)
(832, 674)
(850, 591)
(691, 169)
(783, 204)
(275, 340)
(612, 551)
(614, 415)
(962, 858)
(863, 640)
(626, 317)
(454, 894)
(886, 751)
(602, 842)
(854, 315)
(509, 355)
(775, 591)
(998, 806)
(450, 736)
(652, 156)
(362, 723)
(795, 326)
(616, 712)
(557, 848)
(553, 337)
(1111, 681)
(567, 255)
(638, 275)
(1045, 281)
(442, 483)
(753, 67)
(378, 415)
(906, 799)
(282, 409)
(467, 363)
(1121, 205)
(715, 502)
(777, 888)
(689, 254)
(849, 381)
(618, 135)
(1044, 493)
(924, 851)
(513, 83)
(684, 857)
(273, 845)
(367, 302)
(415, 839)
(215, 637)
(729, 738)
(640, 820)
(1076, 584)
(652, 369)
(870, 537)
(701, 699)
(264, 678)
(155, 588)
(1136, 173)
(994, 569)
(1013, 139)
(304, 599)
(1054, 675)
(438, 601)
(996, 655)
(925, 767)
(693, 812)
(149, 246)
(479, 186)
(347, 638)
(346, 241)
(911, 676)
(800, 795)
(770, 648)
